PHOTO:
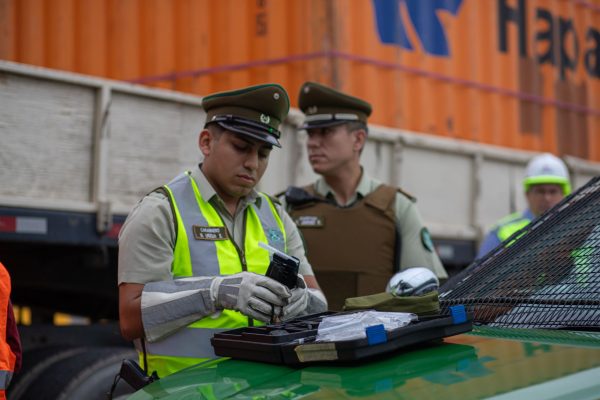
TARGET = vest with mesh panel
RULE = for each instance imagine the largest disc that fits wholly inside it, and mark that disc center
(193, 258)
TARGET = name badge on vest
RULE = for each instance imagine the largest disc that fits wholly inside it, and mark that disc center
(310, 221)
(209, 232)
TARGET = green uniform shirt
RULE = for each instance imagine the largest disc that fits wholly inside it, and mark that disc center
(147, 238)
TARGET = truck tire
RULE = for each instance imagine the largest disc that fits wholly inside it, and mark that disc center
(87, 373)
(35, 363)
(95, 380)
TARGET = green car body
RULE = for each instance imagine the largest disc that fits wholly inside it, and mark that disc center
(495, 363)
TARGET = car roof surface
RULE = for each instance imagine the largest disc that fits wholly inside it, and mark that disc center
(491, 363)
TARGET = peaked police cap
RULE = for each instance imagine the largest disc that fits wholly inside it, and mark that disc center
(255, 111)
(324, 106)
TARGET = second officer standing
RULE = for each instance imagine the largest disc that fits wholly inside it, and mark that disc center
(358, 231)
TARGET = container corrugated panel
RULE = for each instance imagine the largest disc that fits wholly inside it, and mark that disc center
(516, 73)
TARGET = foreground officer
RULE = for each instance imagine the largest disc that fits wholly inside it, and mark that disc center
(358, 231)
(189, 259)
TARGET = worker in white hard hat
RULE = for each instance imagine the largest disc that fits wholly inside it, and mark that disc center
(546, 183)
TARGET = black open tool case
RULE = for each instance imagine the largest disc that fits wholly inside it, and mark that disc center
(293, 342)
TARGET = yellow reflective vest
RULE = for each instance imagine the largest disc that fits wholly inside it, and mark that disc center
(204, 247)
(511, 224)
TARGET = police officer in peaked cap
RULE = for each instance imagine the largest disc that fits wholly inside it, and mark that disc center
(374, 228)
(255, 112)
(190, 263)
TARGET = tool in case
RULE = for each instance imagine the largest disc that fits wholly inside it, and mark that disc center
(293, 342)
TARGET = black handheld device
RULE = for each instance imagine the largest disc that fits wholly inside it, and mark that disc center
(135, 376)
(284, 270)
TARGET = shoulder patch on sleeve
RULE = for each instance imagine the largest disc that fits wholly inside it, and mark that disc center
(426, 240)
(407, 195)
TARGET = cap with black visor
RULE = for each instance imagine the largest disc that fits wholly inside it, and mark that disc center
(324, 107)
(255, 111)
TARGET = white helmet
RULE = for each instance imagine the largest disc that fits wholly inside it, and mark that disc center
(547, 169)
(414, 281)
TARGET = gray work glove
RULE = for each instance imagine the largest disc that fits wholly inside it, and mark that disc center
(255, 296)
(298, 301)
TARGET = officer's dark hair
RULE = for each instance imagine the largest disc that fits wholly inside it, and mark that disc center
(215, 129)
(356, 126)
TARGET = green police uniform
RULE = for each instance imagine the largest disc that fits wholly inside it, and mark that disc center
(356, 247)
(183, 230)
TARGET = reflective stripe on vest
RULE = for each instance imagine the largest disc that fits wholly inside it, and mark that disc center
(184, 344)
(5, 377)
(195, 257)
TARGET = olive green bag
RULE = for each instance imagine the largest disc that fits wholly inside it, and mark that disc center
(427, 304)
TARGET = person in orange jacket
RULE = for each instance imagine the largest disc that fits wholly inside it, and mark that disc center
(10, 344)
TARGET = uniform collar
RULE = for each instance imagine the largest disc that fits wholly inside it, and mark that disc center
(209, 194)
(366, 185)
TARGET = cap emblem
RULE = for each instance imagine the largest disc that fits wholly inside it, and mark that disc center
(276, 96)
(265, 119)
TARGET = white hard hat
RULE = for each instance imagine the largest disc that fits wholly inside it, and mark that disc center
(413, 281)
(547, 169)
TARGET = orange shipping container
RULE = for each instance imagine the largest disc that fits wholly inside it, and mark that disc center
(517, 73)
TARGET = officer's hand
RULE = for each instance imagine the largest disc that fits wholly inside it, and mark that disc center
(251, 294)
(298, 301)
